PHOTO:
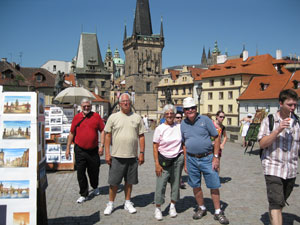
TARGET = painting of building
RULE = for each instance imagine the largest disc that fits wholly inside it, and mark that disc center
(21, 218)
(17, 104)
(14, 189)
(16, 129)
(14, 157)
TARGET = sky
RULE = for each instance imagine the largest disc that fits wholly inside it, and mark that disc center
(35, 31)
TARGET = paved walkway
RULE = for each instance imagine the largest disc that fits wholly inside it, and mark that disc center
(243, 196)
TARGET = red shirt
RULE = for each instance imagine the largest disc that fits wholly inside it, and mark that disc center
(87, 132)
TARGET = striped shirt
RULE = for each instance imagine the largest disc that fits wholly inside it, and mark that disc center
(281, 158)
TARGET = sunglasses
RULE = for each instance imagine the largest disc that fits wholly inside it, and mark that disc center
(222, 117)
(178, 117)
(190, 108)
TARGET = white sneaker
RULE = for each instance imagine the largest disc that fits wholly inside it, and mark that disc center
(96, 192)
(81, 199)
(129, 207)
(172, 212)
(109, 208)
(158, 214)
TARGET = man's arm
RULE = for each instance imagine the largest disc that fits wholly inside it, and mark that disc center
(70, 139)
(107, 148)
(101, 148)
(142, 149)
(269, 139)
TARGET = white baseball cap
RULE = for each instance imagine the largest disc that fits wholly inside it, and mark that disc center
(188, 102)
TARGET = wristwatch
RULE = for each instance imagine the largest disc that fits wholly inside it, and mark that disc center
(216, 155)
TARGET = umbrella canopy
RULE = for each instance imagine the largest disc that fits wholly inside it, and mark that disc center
(73, 95)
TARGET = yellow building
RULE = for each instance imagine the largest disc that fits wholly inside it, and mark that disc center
(223, 83)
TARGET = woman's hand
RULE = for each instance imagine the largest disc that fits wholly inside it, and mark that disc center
(158, 170)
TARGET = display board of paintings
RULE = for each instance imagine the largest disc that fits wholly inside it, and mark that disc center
(20, 141)
(58, 122)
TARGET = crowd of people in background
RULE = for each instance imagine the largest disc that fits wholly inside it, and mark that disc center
(176, 148)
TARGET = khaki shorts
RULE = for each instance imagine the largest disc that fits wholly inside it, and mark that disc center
(278, 190)
(120, 168)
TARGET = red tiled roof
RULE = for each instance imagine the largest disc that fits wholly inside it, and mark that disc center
(276, 83)
(15, 71)
(31, 73)
(98, 98)
(256, 65)
(196, 72)
(174, 74)
(71, 78)
(290, 85)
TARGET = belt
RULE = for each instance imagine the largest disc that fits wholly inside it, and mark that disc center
(199, 155)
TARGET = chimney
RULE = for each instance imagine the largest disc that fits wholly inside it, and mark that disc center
(278, 54)
(221, 59)
(245, 55)
(4, 60)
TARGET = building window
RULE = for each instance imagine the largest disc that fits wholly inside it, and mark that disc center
(210, 108)
(162, 102)
(232, 81)
(221, 95)
(211, 83)
(229, 121)
(54, 68)
(175, 102)
(162, 92)
(90, 84)
(109, 64)
(268, 108)
(210, 95)
(166, 81)
(246, 108)
(148, 86)
(103, 83)
(230, 108)
(222, 82)
(221, 108)
(176, 91)
(190, 90)
(39, 78)
(230, 95)
(183, 91)
(256, 107)
(102, 93)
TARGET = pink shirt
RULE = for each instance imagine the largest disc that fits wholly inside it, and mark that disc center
(168, 139)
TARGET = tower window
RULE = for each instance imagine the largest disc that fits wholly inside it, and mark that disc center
(148, 86)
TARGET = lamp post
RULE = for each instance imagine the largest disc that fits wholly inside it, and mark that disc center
(199, 91)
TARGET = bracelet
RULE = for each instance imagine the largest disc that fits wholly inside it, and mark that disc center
(102, 145)
(142, 152)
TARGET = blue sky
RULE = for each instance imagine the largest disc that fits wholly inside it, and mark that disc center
(12, 153)
(50, 30)
(21, 99)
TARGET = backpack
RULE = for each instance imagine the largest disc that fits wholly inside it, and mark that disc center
(271, 126)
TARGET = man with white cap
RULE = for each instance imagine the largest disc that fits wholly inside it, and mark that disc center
(201, 158)
(246, 121)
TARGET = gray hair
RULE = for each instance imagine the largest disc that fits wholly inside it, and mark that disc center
(120, 98)
(169, 107)
(85, 100)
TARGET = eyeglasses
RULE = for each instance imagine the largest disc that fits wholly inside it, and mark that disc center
(190, 108)
(222, 117)
(86, 106)
(178, 117)
(125, 101)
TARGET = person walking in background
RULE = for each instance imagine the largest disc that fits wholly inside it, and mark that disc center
(280, 153)
(178, 119)
(246, 121)
(84, 133)
(126, 131)
(201, 158)
(220, 116)
(169, 160)
(146, 123)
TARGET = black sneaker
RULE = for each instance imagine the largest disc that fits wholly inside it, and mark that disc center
(199, 214)
(221, 218)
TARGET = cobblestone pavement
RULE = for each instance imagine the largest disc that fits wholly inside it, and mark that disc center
(243, 195)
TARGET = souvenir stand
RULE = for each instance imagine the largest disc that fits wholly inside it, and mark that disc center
(22, 159)
(58, 121)
(253, 130)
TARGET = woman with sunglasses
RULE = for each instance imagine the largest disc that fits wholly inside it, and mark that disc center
(220, 116)
(169, 160)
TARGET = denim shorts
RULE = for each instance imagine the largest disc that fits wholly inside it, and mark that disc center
(202, 166)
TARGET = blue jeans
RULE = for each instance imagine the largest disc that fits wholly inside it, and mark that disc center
(202, 166)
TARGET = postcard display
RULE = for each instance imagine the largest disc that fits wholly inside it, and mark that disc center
(58, 122)
(22, 150)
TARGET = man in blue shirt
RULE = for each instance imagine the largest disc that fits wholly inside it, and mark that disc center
(201, 157)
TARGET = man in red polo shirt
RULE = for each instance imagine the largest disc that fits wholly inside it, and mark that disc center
(84, 132)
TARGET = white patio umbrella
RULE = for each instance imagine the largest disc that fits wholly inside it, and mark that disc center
(73, 95)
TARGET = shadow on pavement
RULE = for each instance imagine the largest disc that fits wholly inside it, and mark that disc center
(288, 218)
(224, 180)
(143, 200)
(70, 220)
(253, 152)
(105, 189)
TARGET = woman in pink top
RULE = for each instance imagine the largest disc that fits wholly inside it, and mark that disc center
(169, 160)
